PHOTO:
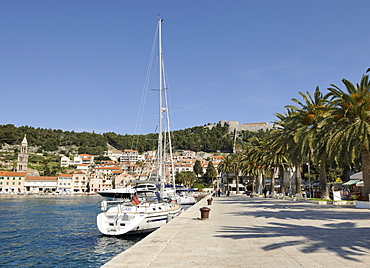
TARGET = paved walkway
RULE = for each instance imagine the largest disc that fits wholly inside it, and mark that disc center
(256, 232)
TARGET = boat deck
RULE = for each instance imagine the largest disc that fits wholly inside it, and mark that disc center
(256, 232)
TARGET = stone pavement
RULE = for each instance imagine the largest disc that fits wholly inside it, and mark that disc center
(256, 232)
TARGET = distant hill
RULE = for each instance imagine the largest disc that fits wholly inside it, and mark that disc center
(196, 139)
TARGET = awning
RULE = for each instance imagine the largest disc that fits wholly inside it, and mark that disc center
(350, 182)
(233, 185)
(360, 183)
(356, 176)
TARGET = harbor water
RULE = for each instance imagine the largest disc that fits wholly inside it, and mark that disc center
(55, 231)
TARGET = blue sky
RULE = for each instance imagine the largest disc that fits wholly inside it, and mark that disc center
(81, 65)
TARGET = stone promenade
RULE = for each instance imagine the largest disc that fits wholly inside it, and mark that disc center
(256, 232)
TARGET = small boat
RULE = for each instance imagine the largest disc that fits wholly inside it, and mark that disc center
(141, 208)
(180, 195)
(185, 198)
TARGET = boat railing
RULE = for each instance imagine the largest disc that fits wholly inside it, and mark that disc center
(106, 204)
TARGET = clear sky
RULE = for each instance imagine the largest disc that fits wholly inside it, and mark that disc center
(81, 65)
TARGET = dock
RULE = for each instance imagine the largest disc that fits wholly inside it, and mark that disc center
(256, 232)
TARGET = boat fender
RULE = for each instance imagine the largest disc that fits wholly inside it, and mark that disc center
(103, 205)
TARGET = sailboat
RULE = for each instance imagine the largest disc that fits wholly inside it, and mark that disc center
(141, 209)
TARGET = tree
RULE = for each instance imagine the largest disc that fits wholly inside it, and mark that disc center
(211, 173)
(47, 171)
(187, 178)
(226, 167)
(236, 168)
(309, 133)
(349, 117)
(287, 142)
(198, 169)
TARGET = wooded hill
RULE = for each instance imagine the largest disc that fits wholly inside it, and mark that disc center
(196, 139)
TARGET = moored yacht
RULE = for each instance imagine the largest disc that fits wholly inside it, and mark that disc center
(142, 208)
(138, 212)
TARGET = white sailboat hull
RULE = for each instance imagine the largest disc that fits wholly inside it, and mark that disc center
(128, 219)
(186, 200)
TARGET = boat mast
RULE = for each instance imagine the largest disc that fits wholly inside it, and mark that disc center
(160, 134)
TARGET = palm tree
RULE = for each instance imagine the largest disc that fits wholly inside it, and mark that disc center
(277, 159)
(236, 168)
(312, 142)
(350, 118)
(287, 142)
(226, 167)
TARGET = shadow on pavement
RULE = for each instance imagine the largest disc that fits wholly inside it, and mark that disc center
(345, 239)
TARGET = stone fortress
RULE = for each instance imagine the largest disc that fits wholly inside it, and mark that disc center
(234, 126)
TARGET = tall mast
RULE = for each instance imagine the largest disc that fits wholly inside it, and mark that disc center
(160, 134)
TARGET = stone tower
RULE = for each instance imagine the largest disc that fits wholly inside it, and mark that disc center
(23, 156)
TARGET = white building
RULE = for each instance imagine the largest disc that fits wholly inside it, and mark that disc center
(64, 161)
(82, 159)
(41, 184)
(114, 154)
(65, 183)
(131, 156)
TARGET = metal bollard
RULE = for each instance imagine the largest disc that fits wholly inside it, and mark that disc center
(209, 200)
(204, 213)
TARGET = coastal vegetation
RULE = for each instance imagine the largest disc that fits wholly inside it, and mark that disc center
(196, 139)
(330, 133)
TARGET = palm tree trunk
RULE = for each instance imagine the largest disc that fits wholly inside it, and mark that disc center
(365, 156)
(237, 183)
(227, 182)
(272, 186)
(323, 182)
(281, 176)
(298, 179)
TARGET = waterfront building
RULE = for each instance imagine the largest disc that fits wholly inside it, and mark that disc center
(41, 184)
(95, 184)
(80, 182)
(22, 164)
(65, 183)
(12, 182)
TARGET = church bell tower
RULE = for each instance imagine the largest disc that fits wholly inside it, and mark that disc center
(23, 156)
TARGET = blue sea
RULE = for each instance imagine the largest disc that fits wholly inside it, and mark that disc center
(55, 231)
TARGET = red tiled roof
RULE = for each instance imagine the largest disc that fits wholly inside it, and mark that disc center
(12, 174)
(41, 178)
(65, 175)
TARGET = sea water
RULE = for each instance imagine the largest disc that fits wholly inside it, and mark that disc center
(55, 231)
